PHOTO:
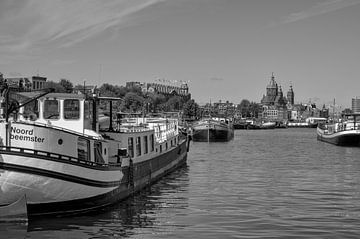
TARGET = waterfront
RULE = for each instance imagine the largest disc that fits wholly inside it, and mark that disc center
(281, 183)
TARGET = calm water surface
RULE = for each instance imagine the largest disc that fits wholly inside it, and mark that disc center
(263, 184)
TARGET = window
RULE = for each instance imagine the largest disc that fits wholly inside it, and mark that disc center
(83, 149)
(97, 152)
(138, 146)
(131, 147)
(87, 111)
(31, 111)
(152, 142)
(71, 109)
(51, 109)
(146, 146)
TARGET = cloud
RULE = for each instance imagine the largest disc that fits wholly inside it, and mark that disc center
(37, 25)
(319, 9)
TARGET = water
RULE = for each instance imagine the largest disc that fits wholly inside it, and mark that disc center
(263, 184)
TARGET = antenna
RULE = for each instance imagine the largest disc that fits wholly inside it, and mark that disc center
(100, 68)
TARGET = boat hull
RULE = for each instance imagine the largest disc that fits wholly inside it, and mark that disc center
(57, 188)
(342, 138)
(15, 212)
(212, 135)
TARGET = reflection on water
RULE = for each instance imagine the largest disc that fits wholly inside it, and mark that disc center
(263, 184)
(123, 219)
(13, 230)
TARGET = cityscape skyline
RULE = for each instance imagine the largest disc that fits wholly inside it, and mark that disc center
(225, 50)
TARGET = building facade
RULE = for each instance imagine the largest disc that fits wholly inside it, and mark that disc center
(274, 103)
(355, 105)
(24, 83)
(274, 95)
(181, 90)
(38, 82)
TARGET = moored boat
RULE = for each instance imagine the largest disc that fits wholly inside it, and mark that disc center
(213, 130)
(261, 125)
(241, 123)
(344, 133)
(53, 150)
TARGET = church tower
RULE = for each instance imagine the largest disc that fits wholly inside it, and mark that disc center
(290, 96)
(272, 88)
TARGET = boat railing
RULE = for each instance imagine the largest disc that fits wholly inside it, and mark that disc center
(339, 127)
(50, 155)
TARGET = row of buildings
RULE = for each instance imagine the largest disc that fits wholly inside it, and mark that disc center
(277, 106)
(24, 83)
(163, 87)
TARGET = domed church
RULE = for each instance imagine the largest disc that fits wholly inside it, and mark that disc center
(274, 95)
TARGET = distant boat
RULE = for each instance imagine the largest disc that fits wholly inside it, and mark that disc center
(264, 125)
(311, 122)
(213, 130)
(242, 123)
(298, 125)
(314, 121)
(280, 125)
(345, 133)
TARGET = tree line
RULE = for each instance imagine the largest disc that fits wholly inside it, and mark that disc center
(134, 100)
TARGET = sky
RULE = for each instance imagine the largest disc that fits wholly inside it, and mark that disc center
(224, 49)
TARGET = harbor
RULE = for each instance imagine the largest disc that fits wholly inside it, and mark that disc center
(66, 156)
(179, 119)
(241, 188)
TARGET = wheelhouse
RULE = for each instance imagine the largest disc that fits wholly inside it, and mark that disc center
(69, 111)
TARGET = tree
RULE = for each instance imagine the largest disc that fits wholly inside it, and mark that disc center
(254, 109)
(174, 103)
(191, 110)
(68, 86)
(133, 102)
(113, 90)
(243, 108)
(56, 86)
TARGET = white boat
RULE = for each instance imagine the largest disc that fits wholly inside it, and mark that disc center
(52, 151)
(344, 133)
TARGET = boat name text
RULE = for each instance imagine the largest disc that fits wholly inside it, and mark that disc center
(25, 135)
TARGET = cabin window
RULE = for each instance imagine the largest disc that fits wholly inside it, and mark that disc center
(131, 146)
(31, 110)
(87, 114)
(138, 146)
(166, 146)
(152, 142)
(97, 152)
(160, 148)
(83, 149)
(51, 109)
(146, 146)
(71, 109)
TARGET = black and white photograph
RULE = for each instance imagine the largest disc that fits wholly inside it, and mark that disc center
(179, 119)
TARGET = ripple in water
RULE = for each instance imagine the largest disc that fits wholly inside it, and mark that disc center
(263, 184)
